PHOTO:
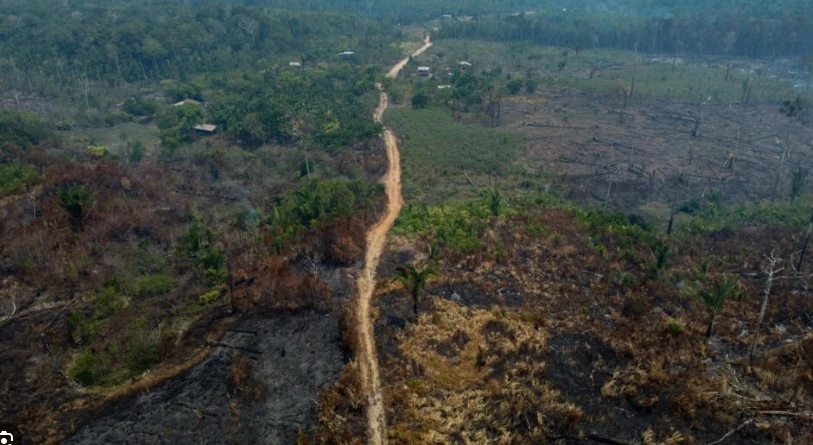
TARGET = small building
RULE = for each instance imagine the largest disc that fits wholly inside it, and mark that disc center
(295, 64)
(444, 87)
(424, 71)
(347, 53)
(187, 102)
(205, 129)
(465, 64)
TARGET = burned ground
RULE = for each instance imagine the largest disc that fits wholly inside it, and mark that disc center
(258, 386)
(603, 348)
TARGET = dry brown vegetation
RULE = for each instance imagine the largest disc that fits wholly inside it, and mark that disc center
(561, 330)
(163, 255)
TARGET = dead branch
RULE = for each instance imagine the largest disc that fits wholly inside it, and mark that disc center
(13, 311)
(732, 432)
(470, 181)
(773, 261)
(236, 348)
(804, 415)
(563, 127)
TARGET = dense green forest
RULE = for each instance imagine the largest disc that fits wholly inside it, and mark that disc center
(743, 27)
(735, 32)
(93, 56)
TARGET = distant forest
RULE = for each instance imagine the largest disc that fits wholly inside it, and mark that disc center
(753, 28)
(48, 44)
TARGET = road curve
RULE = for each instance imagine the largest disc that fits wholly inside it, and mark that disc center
(376, 237)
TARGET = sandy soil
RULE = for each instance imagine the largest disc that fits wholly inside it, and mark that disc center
(376, 238)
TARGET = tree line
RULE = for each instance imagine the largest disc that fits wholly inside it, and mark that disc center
(48, 47)
(726, 32)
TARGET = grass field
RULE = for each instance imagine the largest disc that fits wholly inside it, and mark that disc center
(115, 137)
(437, 150)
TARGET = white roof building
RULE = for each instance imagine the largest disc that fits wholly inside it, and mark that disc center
(206, 128)
(187, 101)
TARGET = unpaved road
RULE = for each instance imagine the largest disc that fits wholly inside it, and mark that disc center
(376, 237)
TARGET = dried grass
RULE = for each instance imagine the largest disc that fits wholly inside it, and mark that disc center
(492, 390)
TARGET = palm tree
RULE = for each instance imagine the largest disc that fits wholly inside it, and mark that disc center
(721, 290)
(414, 280)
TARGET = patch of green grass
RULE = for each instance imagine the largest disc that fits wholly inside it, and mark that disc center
(117, 136)
(153, 285)
(783, 213)
(688, 82)
(436, 150)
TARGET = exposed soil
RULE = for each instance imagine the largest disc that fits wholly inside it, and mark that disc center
(258, 386)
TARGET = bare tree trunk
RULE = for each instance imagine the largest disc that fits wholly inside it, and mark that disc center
(87, 92)
(804, 247)
(632, 84)
(609, 190)
(781, 166)
(709, 329)
(307, 165)
(766, 294)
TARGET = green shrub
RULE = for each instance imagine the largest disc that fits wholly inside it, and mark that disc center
(153, 285)
(457, 227)
(209, 297)
(83, 328)
(83, 370)
(15, 175)
(140, 106)
(673, 326)
(76, 200)
(23, 128)
(420, 100)
(142, 353)
(136, 151)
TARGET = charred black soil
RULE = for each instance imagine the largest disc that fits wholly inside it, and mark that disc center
(258, 386)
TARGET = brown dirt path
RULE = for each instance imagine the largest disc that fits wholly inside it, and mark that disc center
(376, 237)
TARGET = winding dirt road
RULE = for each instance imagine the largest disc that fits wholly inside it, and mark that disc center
(376, 237)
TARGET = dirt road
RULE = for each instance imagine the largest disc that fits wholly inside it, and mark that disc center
(376, 238)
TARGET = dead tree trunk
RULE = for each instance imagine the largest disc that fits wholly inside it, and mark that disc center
(766, 294)
(609, 190)
(804, 247)
(781, 166)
